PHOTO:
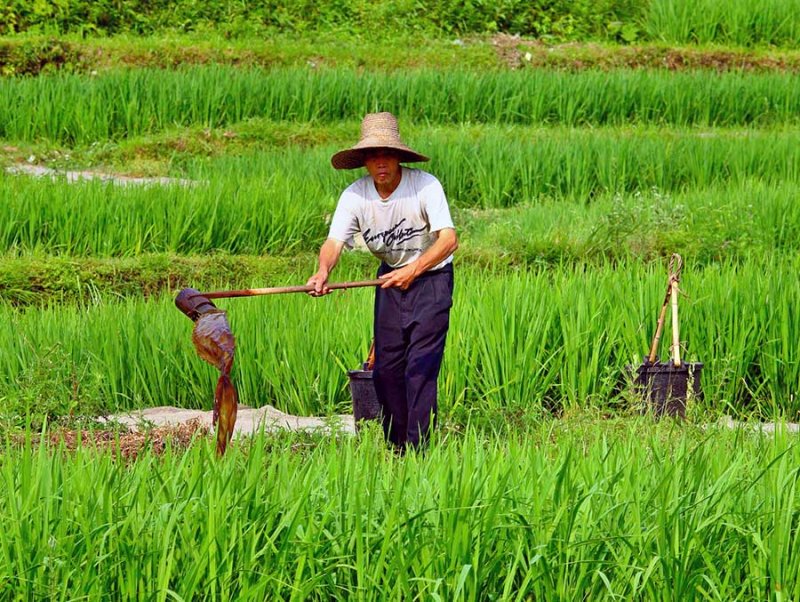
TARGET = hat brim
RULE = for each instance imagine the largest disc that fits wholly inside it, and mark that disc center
(352, 158)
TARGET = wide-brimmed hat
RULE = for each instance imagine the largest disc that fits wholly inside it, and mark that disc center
(378, 131)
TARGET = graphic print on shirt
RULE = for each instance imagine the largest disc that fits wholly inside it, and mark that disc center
(394, 235)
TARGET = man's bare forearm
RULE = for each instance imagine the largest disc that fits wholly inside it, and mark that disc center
(445, 245)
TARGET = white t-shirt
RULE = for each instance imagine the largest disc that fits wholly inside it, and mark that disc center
(399, 229)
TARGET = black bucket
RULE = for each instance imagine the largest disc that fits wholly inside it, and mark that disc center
(666, 387)
(365, 400)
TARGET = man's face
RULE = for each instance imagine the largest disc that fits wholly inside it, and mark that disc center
(383, 166)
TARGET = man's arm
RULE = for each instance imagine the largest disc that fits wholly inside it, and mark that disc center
(328, 257)
(445, 245)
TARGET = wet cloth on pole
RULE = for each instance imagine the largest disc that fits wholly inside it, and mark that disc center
(410, 333)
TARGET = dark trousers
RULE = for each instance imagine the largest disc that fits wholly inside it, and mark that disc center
(410, 332)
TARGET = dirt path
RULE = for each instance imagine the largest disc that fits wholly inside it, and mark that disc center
(76, 176)
(248, 420)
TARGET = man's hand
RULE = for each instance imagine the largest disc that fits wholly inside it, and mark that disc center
(320, 283)
(328, 256)
(402, 277)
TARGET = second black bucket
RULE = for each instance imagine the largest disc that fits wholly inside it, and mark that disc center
(365, 400)
(666, 388)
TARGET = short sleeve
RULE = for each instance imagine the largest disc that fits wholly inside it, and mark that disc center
(344, 224)
(435, 205)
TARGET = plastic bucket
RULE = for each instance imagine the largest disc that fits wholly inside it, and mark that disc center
(666, 388)
(365, 400)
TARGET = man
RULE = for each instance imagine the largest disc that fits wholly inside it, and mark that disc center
(403, 216)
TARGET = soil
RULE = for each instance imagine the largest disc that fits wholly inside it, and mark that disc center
(158, 429)
(516, 53)
(130, 444)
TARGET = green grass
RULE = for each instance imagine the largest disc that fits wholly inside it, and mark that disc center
(42, 54)
(46, 280)
(492, 166)
(481, 165)
(84, 109)
(740, 23)
(705, 225)
(602, 511)
(36, 54)
(287, 212)
(258, 216)
(520, 343)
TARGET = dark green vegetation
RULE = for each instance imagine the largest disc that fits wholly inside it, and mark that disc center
(741, 22)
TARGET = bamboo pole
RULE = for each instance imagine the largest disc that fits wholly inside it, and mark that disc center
(676, 337)
(252, 292)
(660, 325)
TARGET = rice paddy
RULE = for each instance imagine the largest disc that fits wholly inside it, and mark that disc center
(85, 108)
(561, 342)
(570, 190)
(635, 511)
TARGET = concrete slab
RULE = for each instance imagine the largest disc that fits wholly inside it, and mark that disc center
(248, 420)
(71, 177)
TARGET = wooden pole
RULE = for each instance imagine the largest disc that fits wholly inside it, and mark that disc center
(371, 356)
(276, 290)
(660, 325)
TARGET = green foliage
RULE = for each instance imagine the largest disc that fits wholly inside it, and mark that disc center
(521, 341)
(741, 23)
(707, 226)
(84, 108)
(32, 57)
(595, 511)
(558, 19)
(50, 389)
(738, 22)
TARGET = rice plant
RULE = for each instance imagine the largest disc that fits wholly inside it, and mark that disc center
(520, 343)
(577, 194)
(611, 511)
(740, 22)
(257, 215)
(83, 109)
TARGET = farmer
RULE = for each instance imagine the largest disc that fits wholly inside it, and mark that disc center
(403, 216)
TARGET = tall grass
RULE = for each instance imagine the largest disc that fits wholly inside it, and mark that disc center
(624, 512)
(84, 108)
(499, 166)
(519, 343)
(240, 214)
(707, 226)
(271, 211)
(740, 22)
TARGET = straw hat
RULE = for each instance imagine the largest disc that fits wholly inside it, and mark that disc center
(378, 131)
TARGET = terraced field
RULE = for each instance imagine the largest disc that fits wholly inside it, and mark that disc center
(570, 189)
